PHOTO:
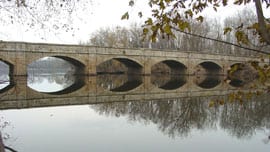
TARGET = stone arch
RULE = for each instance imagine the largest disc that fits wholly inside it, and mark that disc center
(169, 67)
(240, 74)
(207, 75)
(71, 79)
(119, 65)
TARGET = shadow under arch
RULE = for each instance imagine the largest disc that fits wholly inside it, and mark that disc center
(208, 75)
(209, 82)
(10, 75)
(173, 81)
(127, 86)
(119, 66)
(211, 67)
(169, 67)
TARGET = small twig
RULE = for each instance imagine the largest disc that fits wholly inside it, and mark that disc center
(10, 149)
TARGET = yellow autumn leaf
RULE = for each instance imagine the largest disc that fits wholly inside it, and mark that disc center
(227, 30)
(200, 19)
(221, 102)
(167, 29)
(211, 103)
(125, 16)
(145, 31)
(241, 37)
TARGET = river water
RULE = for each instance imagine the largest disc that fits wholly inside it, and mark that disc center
(191, 123)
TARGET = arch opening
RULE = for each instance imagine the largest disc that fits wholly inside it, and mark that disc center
(241, 74)
(208, 75)
(119, 66)
(6, 79)
(169, 67)
(55, 75)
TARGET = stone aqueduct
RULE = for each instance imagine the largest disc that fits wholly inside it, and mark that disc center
(20, 54)
(140, 61)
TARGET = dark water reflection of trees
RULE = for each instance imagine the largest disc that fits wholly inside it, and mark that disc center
(178, 117)
(119, 82)
(168, 82)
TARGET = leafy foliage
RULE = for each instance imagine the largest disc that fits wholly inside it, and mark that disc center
(170, 14)
(259, 85)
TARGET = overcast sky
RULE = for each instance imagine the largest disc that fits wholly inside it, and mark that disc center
(100, 13)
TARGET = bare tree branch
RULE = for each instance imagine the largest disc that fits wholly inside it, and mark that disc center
(221, 41)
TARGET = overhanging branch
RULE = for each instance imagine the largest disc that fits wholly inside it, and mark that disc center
(221, 41)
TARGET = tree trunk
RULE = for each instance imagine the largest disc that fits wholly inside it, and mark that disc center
(1, 144)
(264, 32)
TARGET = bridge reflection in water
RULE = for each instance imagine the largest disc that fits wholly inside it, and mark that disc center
(27, 92)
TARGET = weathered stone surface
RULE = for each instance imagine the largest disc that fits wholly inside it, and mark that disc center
(20, 54)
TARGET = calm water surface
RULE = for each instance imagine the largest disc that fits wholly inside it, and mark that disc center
(149, 126)
(183, 124)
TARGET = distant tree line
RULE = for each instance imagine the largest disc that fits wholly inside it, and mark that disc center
(132, 37)
(50, 65)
